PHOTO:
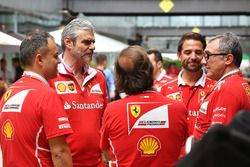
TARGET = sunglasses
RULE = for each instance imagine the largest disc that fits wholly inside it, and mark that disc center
(207, 54)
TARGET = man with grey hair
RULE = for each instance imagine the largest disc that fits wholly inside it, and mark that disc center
(231, 93)
(83, 90)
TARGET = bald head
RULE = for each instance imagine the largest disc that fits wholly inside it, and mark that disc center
(134, 72)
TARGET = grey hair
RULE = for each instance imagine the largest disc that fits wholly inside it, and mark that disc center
(229, 43)
(73, 28)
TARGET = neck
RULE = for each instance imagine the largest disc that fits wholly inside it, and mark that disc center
(191, 78)
(35, 75)
(228, 71)
(157, 74)
(75, 65)
(34, 70)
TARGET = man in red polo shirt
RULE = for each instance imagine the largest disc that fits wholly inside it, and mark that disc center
(84, 92)
(231, 93)
(191, 85)
(144, 128)
(32, 119)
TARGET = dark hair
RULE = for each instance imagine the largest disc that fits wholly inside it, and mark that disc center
(191, 35)
(3, 60)
(100, 58)
(33, 44)
(15, 59)
(229, 43)
(133, 70)
(157, 54)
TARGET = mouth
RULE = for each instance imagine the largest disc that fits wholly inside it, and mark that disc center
(87, 54)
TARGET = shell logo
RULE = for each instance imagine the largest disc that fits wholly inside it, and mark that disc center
(149, 145)
(8, 130)
(61, 87)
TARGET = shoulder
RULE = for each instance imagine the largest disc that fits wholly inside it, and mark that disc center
(170, 83)
(209, 81)
(95, 71)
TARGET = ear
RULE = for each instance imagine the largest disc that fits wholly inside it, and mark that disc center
(179, 56)
(229, 59)
(159, 64)
(68, 43)
(39, 59)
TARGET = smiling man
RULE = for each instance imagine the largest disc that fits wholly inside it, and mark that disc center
(231, 93)
(83, 90)
(191, 85)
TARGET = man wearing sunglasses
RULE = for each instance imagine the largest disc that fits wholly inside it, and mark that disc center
(231, 93)
(83, 90)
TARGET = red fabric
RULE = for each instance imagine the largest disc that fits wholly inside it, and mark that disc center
(31, 113)
(191, 96)
(229, 96)
(147, 120)
(85, 105)
(160, 81)
(173, 71)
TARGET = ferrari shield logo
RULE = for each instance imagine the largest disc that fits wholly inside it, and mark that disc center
(135, 110)
(7, 94)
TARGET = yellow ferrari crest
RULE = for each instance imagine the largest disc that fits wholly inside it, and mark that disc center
(7, 94)
(135, 110)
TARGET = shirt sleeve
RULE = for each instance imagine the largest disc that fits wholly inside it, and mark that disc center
(104, 142)
(225, 105)
(54, 117)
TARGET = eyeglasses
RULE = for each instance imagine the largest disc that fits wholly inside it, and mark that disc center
(207, 54)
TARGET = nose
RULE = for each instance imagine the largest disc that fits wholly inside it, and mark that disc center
(193, 55)
(92, 46)
(203, 61)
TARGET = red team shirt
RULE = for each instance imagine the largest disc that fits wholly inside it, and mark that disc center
(31, 113)
(144, 130)
(85, 105)
(162, 79)
(191, 96)
(230, 94)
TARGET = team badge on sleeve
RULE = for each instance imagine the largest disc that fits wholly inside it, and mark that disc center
(148, 145)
